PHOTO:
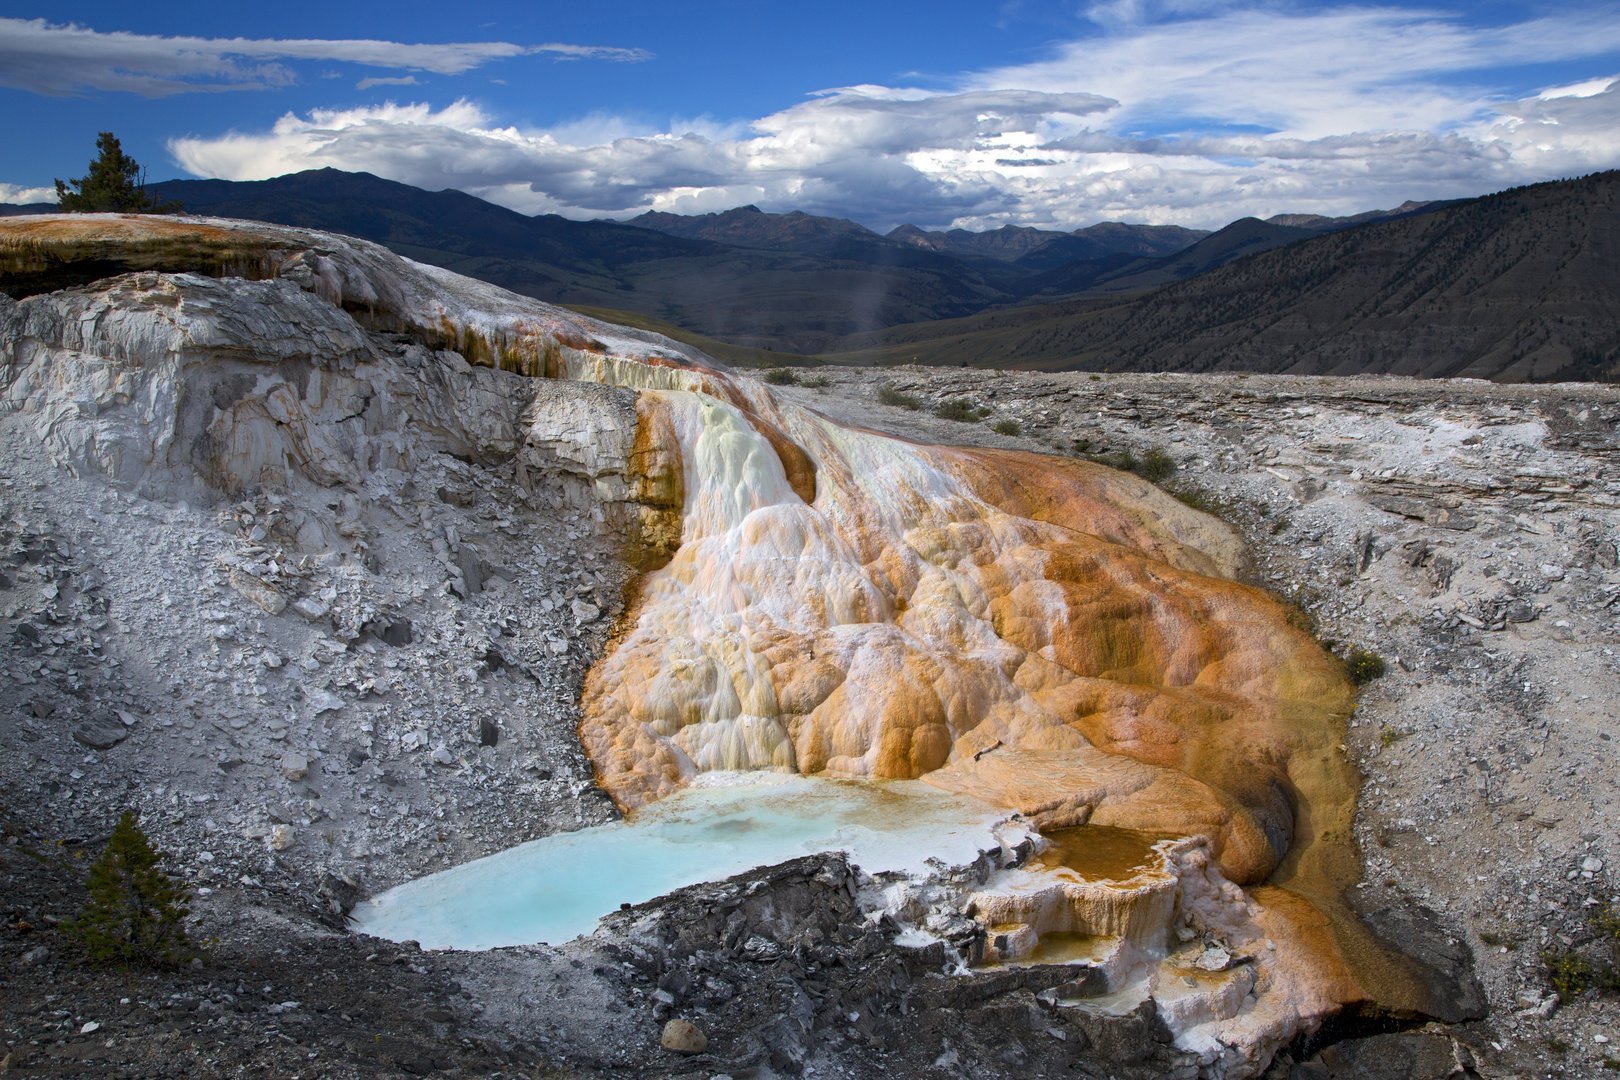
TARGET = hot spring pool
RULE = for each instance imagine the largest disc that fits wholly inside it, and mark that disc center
(556, 888)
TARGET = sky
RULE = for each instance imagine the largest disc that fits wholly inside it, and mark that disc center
(946, 113)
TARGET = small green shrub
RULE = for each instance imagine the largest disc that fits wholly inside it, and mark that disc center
(1280, 526)
(134, 913)
(1569, 972)
(1612, 1064)
(816, 382)
(1389, 737)
(1082, 445)
(1605, 922)
(782, 377)
(1363, 666)
(1557, 1045)
(960, 409)
(888, 395)
(1499, 941)
(1005, 427)
(1202, 500)
(1096, 378)
(1156, 465)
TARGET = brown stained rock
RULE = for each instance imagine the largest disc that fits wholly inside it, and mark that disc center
(265, 595)
(683, 1037)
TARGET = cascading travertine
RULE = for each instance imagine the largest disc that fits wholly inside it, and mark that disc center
(901, 623)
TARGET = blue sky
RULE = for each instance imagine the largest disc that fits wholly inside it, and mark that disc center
(942, 113)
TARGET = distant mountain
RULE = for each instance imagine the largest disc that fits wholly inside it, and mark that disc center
(1521, 285)
(1042, 249)
(14, 209)
(750, 227)
(1117, 274)
(1008, 243)
(1319, 223)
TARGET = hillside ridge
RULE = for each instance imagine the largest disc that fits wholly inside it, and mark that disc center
(1515, 286)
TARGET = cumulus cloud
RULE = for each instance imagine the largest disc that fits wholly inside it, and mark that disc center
(841, 149)
(58, 60)
(11, 193)
(1190, 114)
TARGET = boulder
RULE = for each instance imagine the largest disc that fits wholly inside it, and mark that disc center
(683, 1037)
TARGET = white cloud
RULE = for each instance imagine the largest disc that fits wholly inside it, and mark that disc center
(58, 60)
(402, 80)
(1193, 113)
(1310, 73)
(592, 52)
(11, 193)
(1581, 89)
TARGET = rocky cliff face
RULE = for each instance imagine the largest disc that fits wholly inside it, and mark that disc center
(380, 443)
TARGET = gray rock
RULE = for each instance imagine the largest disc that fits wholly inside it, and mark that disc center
(101, 734)
(1401, 506)
(1520, 612)
(323, 700)
(310, 608)
(1407, 1055)
(294, 766)
(1440, 965)
(472, 571)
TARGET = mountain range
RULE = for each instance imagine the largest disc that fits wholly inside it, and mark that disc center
(1511, 286)
(1516, 286)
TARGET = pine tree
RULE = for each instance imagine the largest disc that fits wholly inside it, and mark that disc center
(134, 911)
(115, 182)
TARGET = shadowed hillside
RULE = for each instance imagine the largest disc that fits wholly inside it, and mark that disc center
(1515, 286)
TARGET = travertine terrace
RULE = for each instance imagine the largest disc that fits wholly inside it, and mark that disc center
(802, 593)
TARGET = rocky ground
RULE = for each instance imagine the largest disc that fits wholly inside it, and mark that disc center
(407, 701)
